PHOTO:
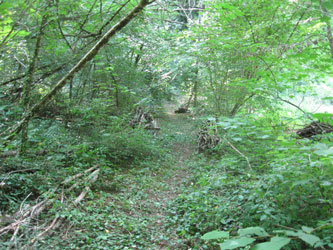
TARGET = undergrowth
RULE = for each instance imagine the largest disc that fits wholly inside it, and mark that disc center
(258, 180)
(287, 185)
(58, 150)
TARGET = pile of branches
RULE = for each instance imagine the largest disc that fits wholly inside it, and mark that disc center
(144, 119)
(27, 216)
(207, 137)
(315, 128)
(182, 110)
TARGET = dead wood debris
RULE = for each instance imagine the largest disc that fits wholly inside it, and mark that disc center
(27, 215)
(181, 110)
(184, 108)
(144, 119)
(315, 128)
(16, 152)
(207, 137)
(238, 152)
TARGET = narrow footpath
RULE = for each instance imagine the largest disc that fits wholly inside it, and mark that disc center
(144, 195)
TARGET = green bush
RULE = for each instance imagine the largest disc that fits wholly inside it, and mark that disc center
(289, 184)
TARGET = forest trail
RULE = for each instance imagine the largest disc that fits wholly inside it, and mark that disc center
(181, 127)
(145, 195)
(131, 207)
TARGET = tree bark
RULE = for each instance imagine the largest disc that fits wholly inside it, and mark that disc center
(116, 90)
(71, 90)
(29, 82)
(196, 85)
(86, 58)
(138, 56)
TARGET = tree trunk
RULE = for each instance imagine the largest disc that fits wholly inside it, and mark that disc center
(86, 58)
(116, 90)
(29, 82)
(138, 56)
(196, 87)
(71, 90)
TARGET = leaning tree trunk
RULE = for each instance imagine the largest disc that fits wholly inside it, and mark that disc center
(11, 132)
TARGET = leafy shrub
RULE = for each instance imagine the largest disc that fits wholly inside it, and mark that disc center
(289, 184)
(128, 145)
(279, 239)
(108, 143)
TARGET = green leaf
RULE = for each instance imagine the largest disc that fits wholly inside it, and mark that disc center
(263, 217)
(234, 9)
(324, 152)
(235, 243)
(237, 139)
(224, 124)
(252, 230)
(322, 149)
(320, 146)
(307, 229)
(102, 237)
(276, 243)
(287, 232)
(6, 5)
(324, 117)
(215, 235)
(328, 5)
(23, 33)
(326, 183)
(308, 238)
(301, 183)
(325, 19)
(327, 98)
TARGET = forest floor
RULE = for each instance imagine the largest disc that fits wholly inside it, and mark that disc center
(147, 194)
(154, 192)
(131, 205)
(138, 207)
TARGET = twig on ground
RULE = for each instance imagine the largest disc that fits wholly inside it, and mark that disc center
(26, 214)
(57, 221)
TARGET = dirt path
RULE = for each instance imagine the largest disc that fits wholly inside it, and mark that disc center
(182, 149)
(142, 202)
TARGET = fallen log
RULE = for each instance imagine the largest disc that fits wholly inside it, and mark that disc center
(16, 152)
